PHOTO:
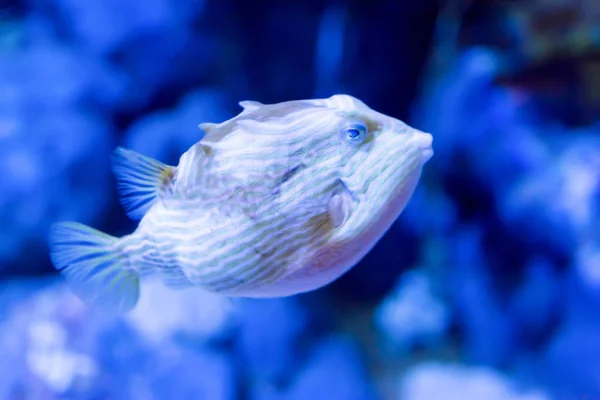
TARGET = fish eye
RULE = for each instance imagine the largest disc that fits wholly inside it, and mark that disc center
(355, 132)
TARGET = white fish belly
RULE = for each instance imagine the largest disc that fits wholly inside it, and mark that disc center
(239, 256)
(337, 257)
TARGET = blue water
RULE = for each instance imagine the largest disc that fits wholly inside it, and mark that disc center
(487, 286)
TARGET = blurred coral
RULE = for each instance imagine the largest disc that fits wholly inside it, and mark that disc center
(488, 285)
(436, 381)
(51, 132)
(401, 319)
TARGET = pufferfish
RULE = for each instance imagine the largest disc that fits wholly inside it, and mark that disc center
(281, 199)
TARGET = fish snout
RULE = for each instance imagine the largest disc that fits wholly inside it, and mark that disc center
(423, 142)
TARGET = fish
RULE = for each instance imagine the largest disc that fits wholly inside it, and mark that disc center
(281, 199)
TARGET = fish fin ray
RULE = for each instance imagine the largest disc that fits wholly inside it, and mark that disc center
(140, 180)
(94, 267)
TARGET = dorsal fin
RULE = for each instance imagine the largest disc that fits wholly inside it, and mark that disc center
(207, 127)
(140, 180)
(210, 127)
(249, 105)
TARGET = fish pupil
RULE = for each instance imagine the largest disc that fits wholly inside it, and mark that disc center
(353, 133)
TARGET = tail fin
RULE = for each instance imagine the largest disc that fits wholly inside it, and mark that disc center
(94, 266)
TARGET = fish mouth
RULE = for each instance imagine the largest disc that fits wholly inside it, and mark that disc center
(424, 143)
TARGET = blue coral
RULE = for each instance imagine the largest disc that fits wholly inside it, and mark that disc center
(50, 133)
(437, 381)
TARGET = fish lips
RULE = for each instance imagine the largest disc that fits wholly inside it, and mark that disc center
(424, 142)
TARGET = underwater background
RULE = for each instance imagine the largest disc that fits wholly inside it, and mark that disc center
(486, 287)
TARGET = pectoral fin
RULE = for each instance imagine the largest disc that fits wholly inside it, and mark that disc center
(339, 208)
(340, 204)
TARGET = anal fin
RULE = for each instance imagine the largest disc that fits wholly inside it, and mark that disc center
(140, 180)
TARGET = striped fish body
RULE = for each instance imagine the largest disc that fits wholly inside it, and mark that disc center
(238, 224)
(230, 251)
(281, 199)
